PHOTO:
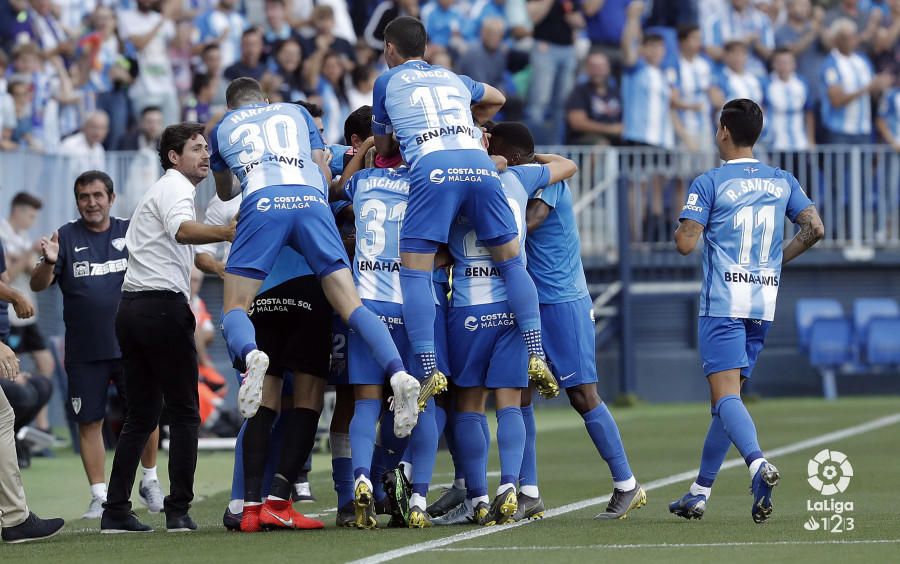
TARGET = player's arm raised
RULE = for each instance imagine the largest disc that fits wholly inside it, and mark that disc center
(812, 230)
(488, 106)
(357, 163)
(560, 167)
(631, 34)
(687, 235)
(44, 272)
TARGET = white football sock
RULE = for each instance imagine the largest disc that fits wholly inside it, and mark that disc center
(697, 489)
(625, 485)
(417, 501)
(99, 490)
(503, 487)
(754, 466)
(530, 491)
(236, 506)
(480, 499)
(149, 475)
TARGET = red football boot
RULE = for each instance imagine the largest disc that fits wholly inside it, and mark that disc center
(250, 519)
(276, 514)
(303, 522)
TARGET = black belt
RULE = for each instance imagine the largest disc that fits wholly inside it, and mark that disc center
(155, 294)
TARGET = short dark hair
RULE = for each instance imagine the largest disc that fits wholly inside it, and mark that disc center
(91, 176)
(314, 110)
(514, 134)
(210, 47)
(27, 200)
(408, 36)
(243, 89)
(200, 81)
(359, 122)
(653, 38)
(149, 109)
(781, 51)
(684, 31)
(174, 138)
(252, 30)
(743, 119)
(734, 44)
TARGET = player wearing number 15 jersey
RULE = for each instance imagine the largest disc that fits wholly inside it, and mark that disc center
(434, 115)
(739, 208)
(277, 153)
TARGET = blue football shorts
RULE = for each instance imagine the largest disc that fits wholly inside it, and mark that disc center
(567, 330)
(731, 342)
(488, 349)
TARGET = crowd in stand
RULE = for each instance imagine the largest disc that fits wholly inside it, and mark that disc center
(83, 76)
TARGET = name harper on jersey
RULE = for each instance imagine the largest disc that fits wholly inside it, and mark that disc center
(755, 185)
(241, 115)
(750, 278)
(378, 265)
(442, 131)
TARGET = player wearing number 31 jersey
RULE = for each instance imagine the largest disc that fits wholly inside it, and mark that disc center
(277, 153)
(434, 114)
(739, 208)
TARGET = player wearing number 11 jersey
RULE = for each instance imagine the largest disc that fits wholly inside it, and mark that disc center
(739, 208)
(434, 115)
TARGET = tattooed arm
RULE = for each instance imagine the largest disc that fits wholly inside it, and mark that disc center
(811, 232)
(687, 235)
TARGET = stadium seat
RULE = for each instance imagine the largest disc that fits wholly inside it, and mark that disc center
(811, 309)
(830, 342)
(883, 343)
(865, 311)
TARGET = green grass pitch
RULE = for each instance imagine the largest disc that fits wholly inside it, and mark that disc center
(662, 441)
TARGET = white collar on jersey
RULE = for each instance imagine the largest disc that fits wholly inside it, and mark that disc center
(740, 161)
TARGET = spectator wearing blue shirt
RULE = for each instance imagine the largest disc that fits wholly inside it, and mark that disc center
(223, 25)
(443, 22)
(605, 23)
(383, 14)
(789, 115)
(694, 81)
(849, 81)
(481, 10)
(553, 64)
(734, 80)
(250, 63)
(887, 41)
(888, 120)
(740, 21)
(277, 28)
(801, 33)
(323, 21)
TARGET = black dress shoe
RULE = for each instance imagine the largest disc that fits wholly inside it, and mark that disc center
(180, 523)
(113, 524)
(33, 528)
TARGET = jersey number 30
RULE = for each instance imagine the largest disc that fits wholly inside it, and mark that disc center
(278, 134)
(747, 219)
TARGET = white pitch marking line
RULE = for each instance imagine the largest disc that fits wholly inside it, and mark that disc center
(655, 484)
(668, 545)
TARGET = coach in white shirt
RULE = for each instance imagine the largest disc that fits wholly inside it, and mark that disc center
(155, 328)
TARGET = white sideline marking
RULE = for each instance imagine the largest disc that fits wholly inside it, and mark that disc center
(655, 484)
(668, 545)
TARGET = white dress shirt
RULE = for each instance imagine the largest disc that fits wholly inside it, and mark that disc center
(219, 212)
(156, 261)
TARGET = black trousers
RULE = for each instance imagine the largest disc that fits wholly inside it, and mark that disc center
(156, 335)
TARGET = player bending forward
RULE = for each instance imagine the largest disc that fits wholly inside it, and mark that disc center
(738, 208)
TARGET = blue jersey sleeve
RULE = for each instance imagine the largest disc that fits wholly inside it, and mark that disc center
(381, 122)
(350, 187)
(699, 200)
(315, 138)
(798, 200)
(476, 89)
(532, 177)
(216, 162)
(551, 194)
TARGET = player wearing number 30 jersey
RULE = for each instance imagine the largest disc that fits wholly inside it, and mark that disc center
(739, 208)
(277, 153)
(434, 113)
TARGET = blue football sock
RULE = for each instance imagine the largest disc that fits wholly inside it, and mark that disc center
(739, 427)
(450, 439)
(342, 467)
(510, 443)
(521, 295)
(237, 475)
(387, 454)
(423, 445)
(528, 475)
(472, 452)
(418, 315)
(715, 448)
(376, 335)
(486, 431)
(239, 333)
(362, 435)
(605, 433)
(440, 419)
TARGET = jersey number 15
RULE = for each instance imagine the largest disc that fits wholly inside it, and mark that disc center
(440, 102)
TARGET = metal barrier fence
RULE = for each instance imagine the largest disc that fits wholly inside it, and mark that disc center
(857, 190)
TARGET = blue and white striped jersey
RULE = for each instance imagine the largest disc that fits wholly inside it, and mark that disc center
(427, 109)
(268, 145)
(694, 79)
(742, 206)
(379, 196)
(743, 85)
(733, 25)
(851, 73)
(647, 95)
(889, 111)
(476, 281)
(786, 103)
